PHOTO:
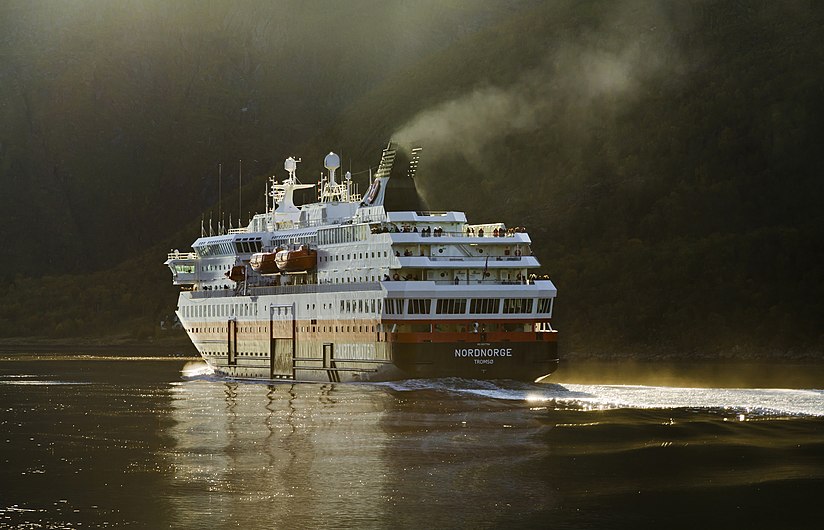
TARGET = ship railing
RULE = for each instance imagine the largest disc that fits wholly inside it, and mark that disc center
(472, 281)
(471, 258)
(290, 289)
(316, 288)
(176, 254)
(453, 233)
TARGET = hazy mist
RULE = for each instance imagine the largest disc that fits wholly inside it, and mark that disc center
(583, 82)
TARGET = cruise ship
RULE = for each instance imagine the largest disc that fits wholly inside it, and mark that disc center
(344, 290)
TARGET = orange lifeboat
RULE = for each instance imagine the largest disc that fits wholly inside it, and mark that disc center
(237, 274)
(298, 260)
(264, 263)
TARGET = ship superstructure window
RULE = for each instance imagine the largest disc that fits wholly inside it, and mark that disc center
(451, 306)
(343, 234)
(214, 249)
(419, 306)
(248, 245)
(484, 305)
(518, 305)
(394, 306)
(545, 305)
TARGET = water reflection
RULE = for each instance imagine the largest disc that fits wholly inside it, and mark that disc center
(89, 443)
(301, 454)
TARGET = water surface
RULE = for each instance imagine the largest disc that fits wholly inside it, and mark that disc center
(157, 443)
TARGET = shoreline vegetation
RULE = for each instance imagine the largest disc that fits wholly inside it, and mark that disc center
(663, 156)
(172, 344)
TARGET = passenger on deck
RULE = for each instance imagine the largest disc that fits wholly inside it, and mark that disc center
(480, 232)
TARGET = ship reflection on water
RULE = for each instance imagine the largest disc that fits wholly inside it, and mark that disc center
(303, 455)
(314, 455)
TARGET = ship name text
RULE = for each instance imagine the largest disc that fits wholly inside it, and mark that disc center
(483, 352)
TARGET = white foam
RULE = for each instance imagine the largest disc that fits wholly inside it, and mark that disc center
(751, 401)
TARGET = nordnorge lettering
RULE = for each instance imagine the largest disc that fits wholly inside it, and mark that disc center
(483, 352)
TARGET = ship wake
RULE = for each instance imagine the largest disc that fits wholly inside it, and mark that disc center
(743, 402)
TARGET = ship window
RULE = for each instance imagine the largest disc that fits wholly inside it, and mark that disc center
(394, 306)
(518, 305)
(451, 306)
(419, 306)
(484, 305)
(545, 305)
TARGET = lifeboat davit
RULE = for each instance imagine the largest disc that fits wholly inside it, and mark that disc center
(297, 260)
(264, 263)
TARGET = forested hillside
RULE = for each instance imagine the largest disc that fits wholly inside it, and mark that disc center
(664, 156)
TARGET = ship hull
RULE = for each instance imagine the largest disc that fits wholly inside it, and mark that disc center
(334, 333)
(517, 361)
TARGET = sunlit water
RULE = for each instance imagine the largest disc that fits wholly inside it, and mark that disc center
(158, 443)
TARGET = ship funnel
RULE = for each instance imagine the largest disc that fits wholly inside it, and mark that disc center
(332, 163)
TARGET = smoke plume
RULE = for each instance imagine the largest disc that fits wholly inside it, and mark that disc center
(583, 81)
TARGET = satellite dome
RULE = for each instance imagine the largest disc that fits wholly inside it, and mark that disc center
(290, 165)
(331, 162)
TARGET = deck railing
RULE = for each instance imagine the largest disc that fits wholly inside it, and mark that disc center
(176, 254)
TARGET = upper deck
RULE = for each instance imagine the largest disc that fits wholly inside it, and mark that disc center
(356, 242)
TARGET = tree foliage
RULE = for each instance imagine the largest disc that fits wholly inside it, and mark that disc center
(663, 155)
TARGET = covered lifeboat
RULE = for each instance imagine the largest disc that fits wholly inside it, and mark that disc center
(264, 263)
(297, 260)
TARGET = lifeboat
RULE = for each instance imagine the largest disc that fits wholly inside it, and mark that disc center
(237, 274)
(264, 263)
(297, 260)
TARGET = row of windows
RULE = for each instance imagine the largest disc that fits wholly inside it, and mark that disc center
(419, 306)
(477, 306)
(213, 249)
(360, 306)
(517, 305)
(218, 310)
(484, 306)
(355, 255)
(451, 306)
(343, 234)
(392, 306)
(248, 245)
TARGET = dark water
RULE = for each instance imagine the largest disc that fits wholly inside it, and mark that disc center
(98, 442)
